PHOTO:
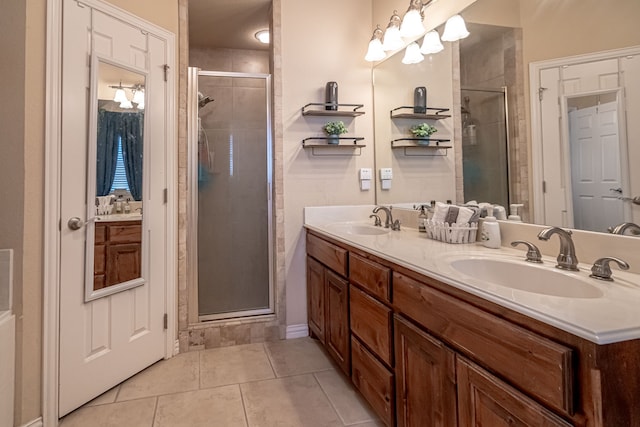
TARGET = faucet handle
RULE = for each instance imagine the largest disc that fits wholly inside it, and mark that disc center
(601, 269)
(533, 253)
(396, 225)
(377, 221)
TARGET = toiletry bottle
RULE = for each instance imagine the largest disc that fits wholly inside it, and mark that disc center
(331, 96)
(420, 100)
(490, 230)
(422, 220)
(513, 208)
(127, 207)
(119, 204)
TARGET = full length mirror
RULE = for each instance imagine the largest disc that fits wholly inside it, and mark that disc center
(488, 74)
(115, 180)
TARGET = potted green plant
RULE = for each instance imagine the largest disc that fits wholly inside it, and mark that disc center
(423, 131)
(334, 130)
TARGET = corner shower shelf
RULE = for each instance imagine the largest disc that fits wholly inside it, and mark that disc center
(431, 114)
(433, 149)
(349, 110)
(322, 144)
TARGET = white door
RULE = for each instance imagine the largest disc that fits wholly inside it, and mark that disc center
(595, 167)
(106, 340)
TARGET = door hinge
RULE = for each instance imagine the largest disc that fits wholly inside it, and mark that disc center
(165, 195)
(541, 92)
(166, 71)
(165, 321)
(544, 186)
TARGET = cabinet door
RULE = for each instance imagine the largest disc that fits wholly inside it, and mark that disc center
(123, 262)
(337, 317)
(372, 322)
(484, 400)
(315, 298)
(425, 379)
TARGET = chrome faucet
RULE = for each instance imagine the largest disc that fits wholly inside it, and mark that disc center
(567, 259)
(634, 229)
(388, 222)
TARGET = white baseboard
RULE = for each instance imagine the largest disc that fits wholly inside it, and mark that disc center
(297, 331)
(34, 423)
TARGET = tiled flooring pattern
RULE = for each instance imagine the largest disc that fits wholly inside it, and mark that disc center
(289, 383)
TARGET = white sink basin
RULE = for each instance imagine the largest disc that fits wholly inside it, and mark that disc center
(357, 229)
(528, 277)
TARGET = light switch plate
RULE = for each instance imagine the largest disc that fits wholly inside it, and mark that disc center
(365, 173)
(386, 173)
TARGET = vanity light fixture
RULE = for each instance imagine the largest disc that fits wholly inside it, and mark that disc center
(263, 36)
(392, 39)
(121, 96)
(431, 43)
(375, 51)
(411, 25)
(455, 29)
(412, 54)
(138, 98)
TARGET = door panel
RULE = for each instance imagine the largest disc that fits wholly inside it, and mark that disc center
(107, 340)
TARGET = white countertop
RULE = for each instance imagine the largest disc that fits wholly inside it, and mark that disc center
(137, 216)
(613, 317)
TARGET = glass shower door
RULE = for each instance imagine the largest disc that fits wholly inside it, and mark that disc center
(233, 170)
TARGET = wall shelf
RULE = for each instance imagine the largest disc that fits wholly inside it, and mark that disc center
(411, 147)
(325, 149)
(406, 112)
(344, 110)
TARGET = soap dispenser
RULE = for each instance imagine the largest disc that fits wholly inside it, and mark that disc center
(490, 230)
(422, 220)
(513, 208)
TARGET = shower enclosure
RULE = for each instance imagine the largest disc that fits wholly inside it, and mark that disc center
(485, 145)
(229, 184)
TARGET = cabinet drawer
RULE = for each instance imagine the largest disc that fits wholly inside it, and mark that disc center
(329, 254)
(128, 233)
(373, 380)
(371, 321)
(540, 367)
(371, 276)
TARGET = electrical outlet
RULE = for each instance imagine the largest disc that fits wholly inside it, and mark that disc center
(386, 173)
(365, 173)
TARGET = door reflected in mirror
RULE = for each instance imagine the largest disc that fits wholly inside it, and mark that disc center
(116, 154)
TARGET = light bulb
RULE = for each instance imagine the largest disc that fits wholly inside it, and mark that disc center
(412, 54)
(431, 43)
(454, 29)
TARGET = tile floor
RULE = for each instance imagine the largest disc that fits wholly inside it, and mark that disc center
(289, 383)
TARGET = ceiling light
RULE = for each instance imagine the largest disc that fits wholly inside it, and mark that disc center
(375, 51)
(392, 39)
(412, 21)
(126, 104)
(412, 54)
(454, 29)
(263, 36)
(431, 43)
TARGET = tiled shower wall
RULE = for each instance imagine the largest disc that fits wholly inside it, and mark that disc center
(191, 334)
(496, 63)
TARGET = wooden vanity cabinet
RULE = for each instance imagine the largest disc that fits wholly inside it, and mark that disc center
(424, 353)
(117, 253)
(328, 298)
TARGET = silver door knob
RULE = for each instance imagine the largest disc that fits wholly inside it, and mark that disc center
(75, 223)
(616, 190)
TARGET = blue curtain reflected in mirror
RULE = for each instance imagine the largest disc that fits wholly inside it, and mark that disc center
(114, 128)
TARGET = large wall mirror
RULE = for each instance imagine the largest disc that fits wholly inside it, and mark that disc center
(490, 106)
(115, 184)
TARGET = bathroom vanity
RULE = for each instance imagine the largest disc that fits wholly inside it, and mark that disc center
(117, 251)
(427, 346)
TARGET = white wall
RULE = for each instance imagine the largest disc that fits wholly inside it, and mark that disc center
(321, 42)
